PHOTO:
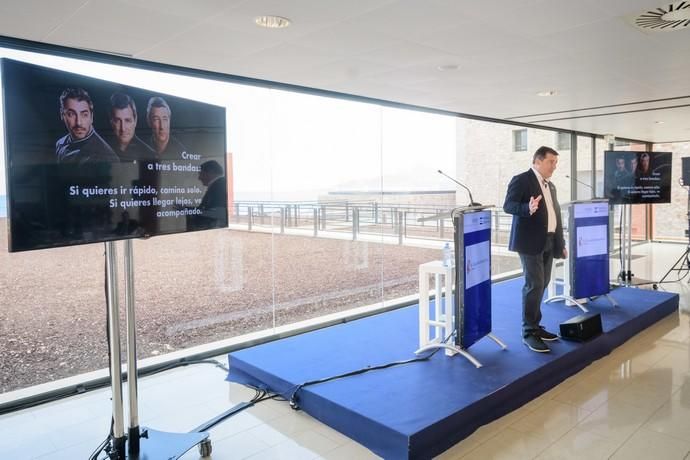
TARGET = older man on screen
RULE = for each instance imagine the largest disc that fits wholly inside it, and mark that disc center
(158, 115)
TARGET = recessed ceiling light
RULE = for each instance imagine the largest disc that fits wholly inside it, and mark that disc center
(272, 22)
(659, 122)
(448, 67)
(546, 93)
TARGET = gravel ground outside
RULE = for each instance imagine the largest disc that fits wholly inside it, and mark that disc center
(190, 289)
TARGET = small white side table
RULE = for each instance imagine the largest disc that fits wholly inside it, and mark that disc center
(441, 321)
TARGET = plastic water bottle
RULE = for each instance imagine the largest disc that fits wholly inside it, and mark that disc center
(447, 255)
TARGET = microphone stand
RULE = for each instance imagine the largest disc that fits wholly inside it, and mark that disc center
(594, 193)
(472, 202)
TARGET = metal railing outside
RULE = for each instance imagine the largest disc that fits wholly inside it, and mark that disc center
(357, 218)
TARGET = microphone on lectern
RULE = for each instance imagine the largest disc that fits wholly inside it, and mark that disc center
(472, 202)
(594, 193)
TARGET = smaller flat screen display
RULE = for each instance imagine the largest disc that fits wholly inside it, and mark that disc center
(475, 317)
(637, 177)
(589, 249)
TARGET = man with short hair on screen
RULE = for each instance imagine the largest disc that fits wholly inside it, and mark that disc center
(537, 236)
(81, 144)
(123, 120)
(621, 176)
(633, 165)
(158, 115)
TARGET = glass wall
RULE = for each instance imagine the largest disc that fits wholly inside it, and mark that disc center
(323, 153)
(334, 205)
(600, 147)
(585, 187)
(328, 205)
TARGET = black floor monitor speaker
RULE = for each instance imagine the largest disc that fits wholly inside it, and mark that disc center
(582, 327)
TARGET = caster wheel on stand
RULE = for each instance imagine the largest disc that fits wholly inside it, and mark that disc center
(205, 448)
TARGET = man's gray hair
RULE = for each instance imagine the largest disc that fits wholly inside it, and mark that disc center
(156, 101)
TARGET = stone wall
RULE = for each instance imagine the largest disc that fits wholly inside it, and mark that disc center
(486, 160)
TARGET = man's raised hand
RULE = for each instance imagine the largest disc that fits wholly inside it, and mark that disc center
(534, 204)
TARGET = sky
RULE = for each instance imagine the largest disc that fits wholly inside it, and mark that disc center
(293, 146)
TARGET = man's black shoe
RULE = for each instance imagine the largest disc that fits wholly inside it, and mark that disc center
(534, 343)
(546, 335)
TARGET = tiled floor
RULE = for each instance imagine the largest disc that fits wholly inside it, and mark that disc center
(632, 404)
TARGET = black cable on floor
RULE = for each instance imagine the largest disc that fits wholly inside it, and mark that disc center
(293, 400)
(106, 444)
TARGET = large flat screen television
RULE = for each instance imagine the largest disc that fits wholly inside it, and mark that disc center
(637, 177)
(89, 160)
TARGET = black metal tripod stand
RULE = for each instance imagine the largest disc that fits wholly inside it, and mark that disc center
(683, 262)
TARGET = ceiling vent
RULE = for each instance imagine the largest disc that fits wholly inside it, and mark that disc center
(675, 16)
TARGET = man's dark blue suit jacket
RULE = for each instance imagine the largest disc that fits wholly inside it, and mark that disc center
(528, 233)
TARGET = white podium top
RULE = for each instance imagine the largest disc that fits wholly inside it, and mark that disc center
(435, 266)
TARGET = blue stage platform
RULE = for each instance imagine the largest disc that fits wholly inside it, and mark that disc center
(420, 409)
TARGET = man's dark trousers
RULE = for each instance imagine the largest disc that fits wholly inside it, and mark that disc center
(537, 270)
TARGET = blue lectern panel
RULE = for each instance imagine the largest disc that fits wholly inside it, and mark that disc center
(589, 246)
(475, 320)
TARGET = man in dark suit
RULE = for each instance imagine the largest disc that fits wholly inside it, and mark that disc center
(537, 236)
(214, 204)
